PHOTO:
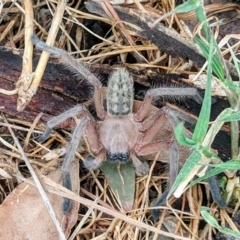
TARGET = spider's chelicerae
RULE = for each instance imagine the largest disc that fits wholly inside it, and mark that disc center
(120, 135)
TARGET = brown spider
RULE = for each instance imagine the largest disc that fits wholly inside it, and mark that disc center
(120, 134)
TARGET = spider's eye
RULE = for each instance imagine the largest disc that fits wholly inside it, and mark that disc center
(121, 157)
(124, 157)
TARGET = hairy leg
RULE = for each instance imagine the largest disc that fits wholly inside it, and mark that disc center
(78, 68)
(173, 172)
(216, 191)
(182, 92)
(87, 123)
(151, 126)
(89, 126)
(70, 154)
(58, 119)
(151, 148)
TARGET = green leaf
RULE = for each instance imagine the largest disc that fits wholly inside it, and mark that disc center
(204, 116)
(218, 69)
(231, 117)
(215, 127)
(217, 168)
(121, 178)
(213, 222)
(202, 18)
(235, 60)
(187, 6)
(191, 162)
(208, 218)
(181, 137)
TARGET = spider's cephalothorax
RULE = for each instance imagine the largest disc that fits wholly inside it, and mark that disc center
(120, 134)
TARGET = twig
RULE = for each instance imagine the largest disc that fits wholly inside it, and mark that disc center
(38, 184)
(27, 96)
(26, 76)
(82, 222)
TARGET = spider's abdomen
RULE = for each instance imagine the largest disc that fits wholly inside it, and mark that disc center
(120, 93)
(118, 136)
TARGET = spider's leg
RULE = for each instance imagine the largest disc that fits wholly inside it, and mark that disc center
(182, 92)
(58, 119)
(152, 125)
(152, 147)
(98, 99)
(173, 172)
(216, 191)
(68, 60)
(149, 128)
(142, 166)
(70, 153)
(78, 68)
(147, 123)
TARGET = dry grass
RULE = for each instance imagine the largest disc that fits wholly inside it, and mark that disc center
(103, 221)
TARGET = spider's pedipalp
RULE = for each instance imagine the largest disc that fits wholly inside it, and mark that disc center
(93, 163)
(120, 93)
(140, 166)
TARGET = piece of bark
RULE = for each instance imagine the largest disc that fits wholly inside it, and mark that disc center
(59, 89)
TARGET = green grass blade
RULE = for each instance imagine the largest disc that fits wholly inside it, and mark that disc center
(233, 117)
(217, 68)
(203, 120)
(213, 222)
(191, 162)
(217, 168)
(187, 6)
(216, 64)
(215, 127)
(181, 137)
(235, 60)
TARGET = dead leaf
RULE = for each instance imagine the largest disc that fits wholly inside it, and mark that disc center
(23, 214)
